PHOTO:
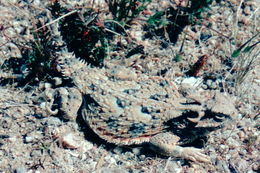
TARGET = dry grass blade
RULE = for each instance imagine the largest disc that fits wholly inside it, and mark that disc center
(245, 64)
(56, 20)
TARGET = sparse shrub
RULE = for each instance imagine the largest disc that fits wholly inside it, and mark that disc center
(196, 8)
(38, 59)
(174, 20)
(83, 33)
(124, 11)
(157, 20)
(246, 57)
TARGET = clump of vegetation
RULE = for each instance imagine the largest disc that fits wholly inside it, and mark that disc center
(41, 59)
(83, 33)
(124, 11)
(245, 58)
(38, 61)
(174, 20)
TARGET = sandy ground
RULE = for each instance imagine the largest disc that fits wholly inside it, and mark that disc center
(33, 140)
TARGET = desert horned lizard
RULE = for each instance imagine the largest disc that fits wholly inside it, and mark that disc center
(124, 108)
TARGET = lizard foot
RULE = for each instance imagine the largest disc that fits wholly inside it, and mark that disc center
(167, 144)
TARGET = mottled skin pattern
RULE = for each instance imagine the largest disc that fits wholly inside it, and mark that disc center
(126, 108)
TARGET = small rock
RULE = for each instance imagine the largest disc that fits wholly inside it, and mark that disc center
(223, 148)
(243, 152)
(36, 153)
(20, 170)
(136, 151)
(142, 157)
(214, 85)
(57, 81)
(47, 85)
(209, 82)
(28, 139)
(192, 82)
(118, 150)
(32, 137)
(204, 86)
(234, 153)
(53, 121)
(71, 141)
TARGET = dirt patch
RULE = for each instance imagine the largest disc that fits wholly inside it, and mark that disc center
(36, 137)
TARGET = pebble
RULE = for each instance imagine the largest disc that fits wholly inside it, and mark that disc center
(57, 81)
(136, 151)
(243, 152)
(192, 82)
(20, 170)
(36, 153)
(204, 86)
(28, 139)
(53, 121)
(32, 136)
(47, 85)
(211, 84)
(118, 150)
(234, 153)
(71, 141)
(142, 157)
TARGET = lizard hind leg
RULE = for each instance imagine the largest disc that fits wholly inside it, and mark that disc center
(167, 144)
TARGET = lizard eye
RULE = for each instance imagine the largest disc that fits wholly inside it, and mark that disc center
(220, 116)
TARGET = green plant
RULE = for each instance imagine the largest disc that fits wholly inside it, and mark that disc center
(196, 8)
(244, 48)
(124, 11)
(83, 33)
(246, 57)
(173, 20)
(157, 20)
(39, 61)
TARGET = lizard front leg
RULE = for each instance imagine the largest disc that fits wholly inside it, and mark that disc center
(167, 144)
